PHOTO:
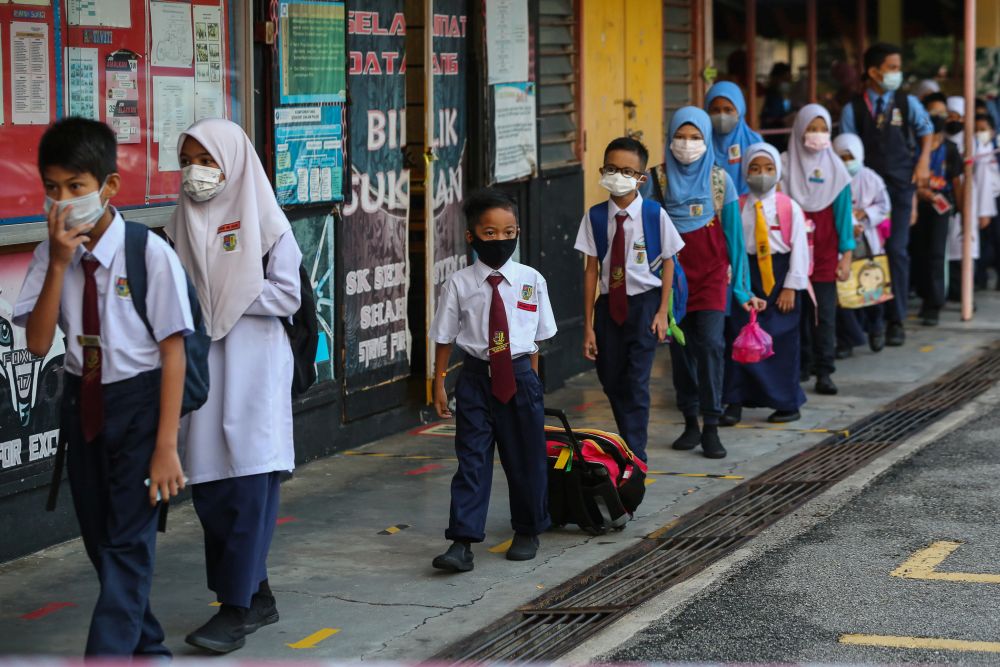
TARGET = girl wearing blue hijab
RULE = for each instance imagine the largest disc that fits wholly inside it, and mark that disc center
(704, 207)
(731, 134)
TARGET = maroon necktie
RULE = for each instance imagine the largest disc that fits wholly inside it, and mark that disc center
(501, 363)
(617, 296)
(91, 396)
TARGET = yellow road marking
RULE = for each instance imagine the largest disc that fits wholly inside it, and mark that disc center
(659, 532)
(215, 604)
(924, 563)
(768, 427)
(926, 643)
(315, 638)
(650, 480)
(392, 530)
(927, 348)
(501, 548)
(693, 474)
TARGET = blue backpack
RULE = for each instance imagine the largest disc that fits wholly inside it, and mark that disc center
(196, 344)
(651, 232)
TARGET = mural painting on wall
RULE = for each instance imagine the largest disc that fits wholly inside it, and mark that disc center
(446, 251)
(377, 340)
(30, 386)
(315, 237)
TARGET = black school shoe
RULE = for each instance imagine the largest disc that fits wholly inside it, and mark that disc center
(691, 436)
(876, 341)
(732, 415)
(263, 611)
(784, 416)
(844, 352)
(825, 385)
(458, 558)
(711, 446)
(894, 334)
(224, 632)
(522, 547)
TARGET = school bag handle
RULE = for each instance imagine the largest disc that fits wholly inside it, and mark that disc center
(561, 416)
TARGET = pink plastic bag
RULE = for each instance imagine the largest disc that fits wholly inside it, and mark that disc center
(753, 344)
(884, 229)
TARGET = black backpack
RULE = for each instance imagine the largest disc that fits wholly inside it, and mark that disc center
(303, 333)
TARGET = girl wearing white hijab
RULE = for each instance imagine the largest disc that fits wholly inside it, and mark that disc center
(227, 220)
(872, 207)
(774, 229)
(816, 178)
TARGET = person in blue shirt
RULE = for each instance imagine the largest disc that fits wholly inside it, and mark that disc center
(731, 136)
(897, 134)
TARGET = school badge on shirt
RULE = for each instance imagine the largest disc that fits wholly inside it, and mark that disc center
(694, 210)
(817, 176)
(639, 249)
(734, 154)
(897, 117)
(121, 287)
(527, 291)
(230, 236)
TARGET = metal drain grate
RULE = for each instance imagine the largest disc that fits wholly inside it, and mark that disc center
(563, 618)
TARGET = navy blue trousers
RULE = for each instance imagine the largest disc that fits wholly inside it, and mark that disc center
(699, 366)
(897, 248)
(625, 356)
(517, 429)
(118, 525)
(238, 516)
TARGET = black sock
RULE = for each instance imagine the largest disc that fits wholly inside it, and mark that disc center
(711, 428)
(691, 422)
(265, 589)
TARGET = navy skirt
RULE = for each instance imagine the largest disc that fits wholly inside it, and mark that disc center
(774, 382)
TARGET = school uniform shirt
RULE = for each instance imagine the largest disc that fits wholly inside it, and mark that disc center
(870, 194)
(798, 269)
(918, 118)
(127, 349)
(638, 277)
(463, 311)
(245, 426)
(985, 189)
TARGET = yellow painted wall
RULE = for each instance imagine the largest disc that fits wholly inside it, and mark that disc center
(988, 23)
(622, 59)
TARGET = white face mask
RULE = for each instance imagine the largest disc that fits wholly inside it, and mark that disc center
(853, 167)
(984, 137)
(618, 184)
(688, 151)
(201, 183)
(87, 209)
(892, 80)
(817, 141)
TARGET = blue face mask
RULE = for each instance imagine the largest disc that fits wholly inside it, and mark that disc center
(892, 80)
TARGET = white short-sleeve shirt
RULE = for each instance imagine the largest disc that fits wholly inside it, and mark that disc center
(463, 310)
(126, 346)
(638, 277)
(798, 267)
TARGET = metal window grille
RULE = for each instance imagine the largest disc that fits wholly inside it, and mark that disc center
(558, 86)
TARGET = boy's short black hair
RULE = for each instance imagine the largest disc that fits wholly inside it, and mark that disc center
(632, 146)
(80, 145)
(934, 97)
(985, 117)
(877, 53)
(483, 200)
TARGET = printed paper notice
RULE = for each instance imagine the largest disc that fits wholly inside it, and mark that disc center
(29, 69)
(170, 24)
(82, 93)
(173, 112)
(507, 40)
(514, 120)
(121, 70)
(106, 13)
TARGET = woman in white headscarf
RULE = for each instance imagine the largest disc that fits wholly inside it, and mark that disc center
(774, 228)
(815, 177)
(239, 250)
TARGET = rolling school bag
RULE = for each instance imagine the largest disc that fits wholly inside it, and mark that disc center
(594, 479)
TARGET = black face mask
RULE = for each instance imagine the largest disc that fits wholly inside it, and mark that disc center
(939, 123)
(954, 126)
(494, 253)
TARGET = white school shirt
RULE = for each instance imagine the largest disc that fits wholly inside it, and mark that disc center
(463, 311)
(127, 349)
(985, 189)
(798, 264)
(870, 195)
(638, 277)
(245, 426)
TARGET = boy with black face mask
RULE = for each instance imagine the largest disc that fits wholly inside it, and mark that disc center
(496, 310)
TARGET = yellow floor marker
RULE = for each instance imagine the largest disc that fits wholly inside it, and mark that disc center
(215, 604)
(650, 480)
(315, 638)
(501, 548)
(921, 643)
(923, 565)
(392, 530)
(927, 348)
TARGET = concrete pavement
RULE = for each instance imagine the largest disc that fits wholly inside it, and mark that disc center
(357, 531)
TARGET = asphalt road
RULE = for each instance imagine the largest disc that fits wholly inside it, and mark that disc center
(802, 601)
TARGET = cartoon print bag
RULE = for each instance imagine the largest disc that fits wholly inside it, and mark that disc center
(870, 283)
(753, 344)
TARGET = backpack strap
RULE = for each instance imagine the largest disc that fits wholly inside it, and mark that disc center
(718, 188)
(901, 101)
(599, 225)
(651, 234)
(784, 203)
(136, 235)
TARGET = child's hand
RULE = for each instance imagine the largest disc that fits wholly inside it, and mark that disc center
(859, 215)
(441, 399)
(844, 268)
(660, 325)
(589, 344)
(62, 242)
(755, 303)
(786, 300)
(166, 478)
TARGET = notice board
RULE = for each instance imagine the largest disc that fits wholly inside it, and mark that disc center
(148, 68)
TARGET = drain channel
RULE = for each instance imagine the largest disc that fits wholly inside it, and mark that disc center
(566, 616)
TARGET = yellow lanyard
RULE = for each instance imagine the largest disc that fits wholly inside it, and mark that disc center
(763, 243)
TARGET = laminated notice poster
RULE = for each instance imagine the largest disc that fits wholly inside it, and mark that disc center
(122, 101)
(83, 95)
(106, 13)
(309, 156)
(170, 28)
(507, 40)
(29, 73)
(173, 112)
(514, 123)
(311, 52)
